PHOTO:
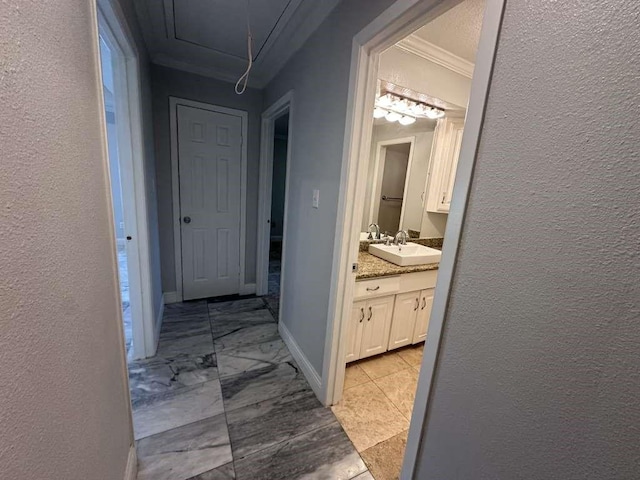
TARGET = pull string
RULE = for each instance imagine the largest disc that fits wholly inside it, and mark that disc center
(245, 76)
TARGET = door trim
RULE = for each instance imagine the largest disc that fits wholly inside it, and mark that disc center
(175, 187)
(378, 170)
(269, 116)
(112, 22)
(395, 23)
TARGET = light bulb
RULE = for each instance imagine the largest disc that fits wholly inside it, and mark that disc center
(407, 120)
(379, 112)
(393, 116)
(386, 100)
(433, 113)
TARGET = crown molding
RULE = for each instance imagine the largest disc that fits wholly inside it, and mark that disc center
(417, 46)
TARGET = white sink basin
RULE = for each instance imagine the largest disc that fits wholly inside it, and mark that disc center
(406, 255)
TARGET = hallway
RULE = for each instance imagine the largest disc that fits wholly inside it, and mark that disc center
(223, 399)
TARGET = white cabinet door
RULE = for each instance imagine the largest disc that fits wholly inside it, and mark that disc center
(444, 163)
(403, 324)
(424, 312)
(375, 334)
(354, 333)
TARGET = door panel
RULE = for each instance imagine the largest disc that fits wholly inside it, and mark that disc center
(424, 313)
(354, 334)
(375, 334)
(210, 162)
(403, 325)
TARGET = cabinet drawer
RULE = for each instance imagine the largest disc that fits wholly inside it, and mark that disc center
(376, 287)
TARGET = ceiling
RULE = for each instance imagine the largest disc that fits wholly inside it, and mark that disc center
(457, 30)
(209, 37)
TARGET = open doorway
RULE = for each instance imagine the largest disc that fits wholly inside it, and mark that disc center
(413, 70)
(275, 164)
(121, 95)
(278, 188)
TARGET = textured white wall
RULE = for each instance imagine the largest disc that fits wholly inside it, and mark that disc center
(319, 74)
(64, 404)
(169, 82)
(538, 374)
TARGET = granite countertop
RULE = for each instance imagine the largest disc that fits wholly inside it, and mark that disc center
(370, 266)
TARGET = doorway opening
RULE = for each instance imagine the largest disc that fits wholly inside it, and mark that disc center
(407, 76)
(121, 98)
(278, 188)
(273, 201)
(108, 88)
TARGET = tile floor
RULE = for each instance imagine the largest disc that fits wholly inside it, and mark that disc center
(375, 410)
(223, 399)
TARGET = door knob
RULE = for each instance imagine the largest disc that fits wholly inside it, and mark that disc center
(186, 219)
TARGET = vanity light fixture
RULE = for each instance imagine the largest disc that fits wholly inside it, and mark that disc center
(393, 116)
(407, 120)
(379, 112)
(404, 110)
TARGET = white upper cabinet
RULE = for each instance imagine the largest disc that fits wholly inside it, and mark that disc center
(444, 163)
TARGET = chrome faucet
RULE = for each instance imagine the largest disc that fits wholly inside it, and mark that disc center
(377, 230)
(401, 237)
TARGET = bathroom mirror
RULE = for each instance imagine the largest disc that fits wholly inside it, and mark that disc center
(397, 179)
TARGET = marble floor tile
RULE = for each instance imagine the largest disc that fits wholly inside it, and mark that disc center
(385, 459)
(257, 385)
(182, 311)
(161, 374)
(400, 388)
(194, 345)
(235, 306)
(368, 416)
(198, 325)
(383, 365)
(225, 472)
(322, 454)
(412, 355)
(235, 360)
(264, 424)
(354, 375)
(247, 335)
(183, 452)
(177, 408)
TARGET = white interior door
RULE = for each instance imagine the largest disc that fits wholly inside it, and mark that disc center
(210, 164)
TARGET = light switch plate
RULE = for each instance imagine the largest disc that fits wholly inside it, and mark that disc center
(316, 198)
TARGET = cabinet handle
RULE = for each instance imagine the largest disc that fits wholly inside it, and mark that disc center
(370, 314)
(424, 303)
(362, 312)
(417, 304)
(373, 289)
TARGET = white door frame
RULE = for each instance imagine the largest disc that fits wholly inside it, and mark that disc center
(244, 289)
(269, 116)
(399, 20)
(378, 174)
(113, 27)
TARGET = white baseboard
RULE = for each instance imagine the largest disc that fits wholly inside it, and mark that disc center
(131, 471)
(170, 297)
(309, 372)
(247, 289)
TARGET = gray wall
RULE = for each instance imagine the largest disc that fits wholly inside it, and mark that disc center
(169, 82)
(319, 73)
(538, 373)
(149, 153)
(65, 405)
(279, 184)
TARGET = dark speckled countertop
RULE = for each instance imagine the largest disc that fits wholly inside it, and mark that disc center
(370, 266)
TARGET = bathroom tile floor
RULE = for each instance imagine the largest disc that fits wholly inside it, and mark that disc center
(223, 399)
(376, 407)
